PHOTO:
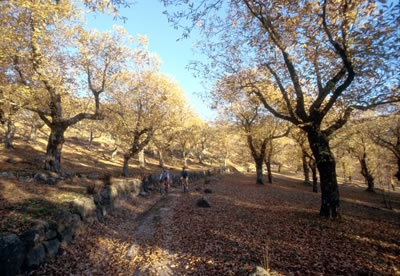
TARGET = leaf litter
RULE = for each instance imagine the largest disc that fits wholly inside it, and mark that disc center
(174, 237)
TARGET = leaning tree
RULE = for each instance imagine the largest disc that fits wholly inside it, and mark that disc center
(320, 55)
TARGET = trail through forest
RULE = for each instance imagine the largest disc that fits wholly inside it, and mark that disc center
(174, 237)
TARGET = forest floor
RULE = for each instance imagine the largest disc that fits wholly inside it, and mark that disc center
(169, 235)
(174, 237)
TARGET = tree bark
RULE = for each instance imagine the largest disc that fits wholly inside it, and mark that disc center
(326, 165)
(259, 171)
(160, 159)
(306, 169)
(184, 158)
(9, 135)
(366, 173)
(114, 153)
(125, 168)
(141, 159)
(54, 148)
(313, 167)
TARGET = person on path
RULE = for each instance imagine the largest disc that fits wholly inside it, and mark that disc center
(164, 180)
(185, 179)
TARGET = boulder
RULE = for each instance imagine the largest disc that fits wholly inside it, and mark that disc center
(207, 191)
(29, 238)
(35, 257)
(99, 207)
(84, 207)
(94, 176)
(259, 271)
(203, 203)
(51, 234)
(11, 254)
(41, 227)
(52, 247)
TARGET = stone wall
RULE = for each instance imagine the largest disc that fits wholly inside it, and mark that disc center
(25, 252)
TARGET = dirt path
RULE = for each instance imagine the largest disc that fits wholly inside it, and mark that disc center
(174, 237)
(155, 230)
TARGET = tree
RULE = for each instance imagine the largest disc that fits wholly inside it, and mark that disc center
(387, 135)
(307, 158)
(140, 102)
(321, 56)
(56, 62)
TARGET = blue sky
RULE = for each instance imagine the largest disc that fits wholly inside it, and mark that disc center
(145, 17)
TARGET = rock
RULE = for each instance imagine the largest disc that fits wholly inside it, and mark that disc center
(52, 247)
(14, 160)
(51, 234)
(40, 177)
(29, 238)
(207, 181)
(84, 207)
(78, 226)
(94, 176)
(132, 251)
(11, 254)
(41, 227)
(198, 189)
(35, 257)
(66, 234)
(26, 179)
(259, 271)
(64, 219)
(203, 203)
(4, 174)
(99, 207)
(207, 191)
(143, 194)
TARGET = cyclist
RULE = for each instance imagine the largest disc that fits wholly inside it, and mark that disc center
(185, 179)
(164, 180)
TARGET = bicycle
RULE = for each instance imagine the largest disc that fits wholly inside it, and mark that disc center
(184, 182)
(164, 184)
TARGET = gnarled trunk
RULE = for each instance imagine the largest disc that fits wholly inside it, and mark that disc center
(326, 165)
(54, 148)
(366, 173)
(9, 135)
(259, 171)
(160, 159)
(125, 168)
(306, 169)
(313, 167)
(142, 162)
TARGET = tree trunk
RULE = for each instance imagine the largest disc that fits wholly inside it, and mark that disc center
(90, 140)
(259, 170)
(313, 168)
(142, 162)
(33, 134)
(326, 165)
(366, 173)
(184, 158)
(54, 149)
(114, 153)
(160, 159)
(397, 175)
(226, 160)
(268, 163)
(306, 169)
(125, 168)
(9, 135)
